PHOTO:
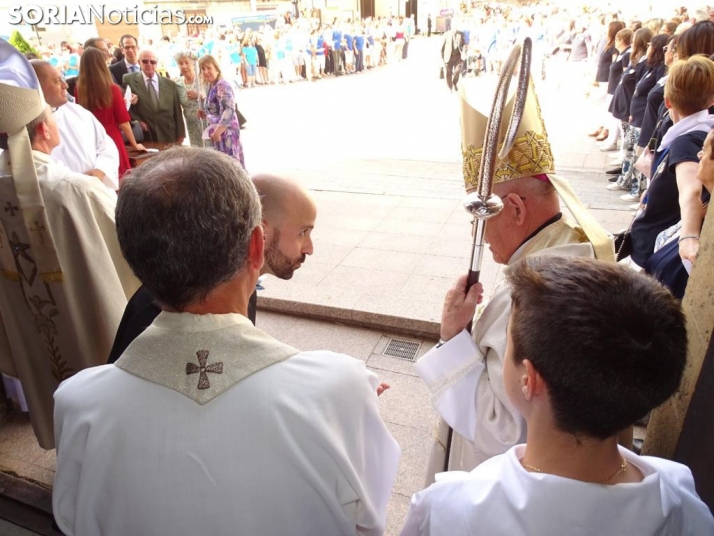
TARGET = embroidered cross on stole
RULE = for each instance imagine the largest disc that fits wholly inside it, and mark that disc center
(166, 356)
(202, 369)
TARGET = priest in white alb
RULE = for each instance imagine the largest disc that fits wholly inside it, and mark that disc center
(205, 424)
(84, 145)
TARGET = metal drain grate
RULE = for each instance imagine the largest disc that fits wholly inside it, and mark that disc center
(406, 350)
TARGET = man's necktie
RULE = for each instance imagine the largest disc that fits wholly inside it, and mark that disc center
(152, 92)
(134, 68)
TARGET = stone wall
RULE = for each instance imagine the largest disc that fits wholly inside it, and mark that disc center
(666, 422)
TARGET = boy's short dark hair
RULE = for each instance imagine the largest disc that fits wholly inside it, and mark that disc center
(610, 343)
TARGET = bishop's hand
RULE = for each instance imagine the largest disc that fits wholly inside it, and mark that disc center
(459, 307)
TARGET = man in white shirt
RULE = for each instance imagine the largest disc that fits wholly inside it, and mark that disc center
(206, 425)
(592, 348)
(84, 146)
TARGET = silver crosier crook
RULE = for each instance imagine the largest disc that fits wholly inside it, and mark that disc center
(483, 204)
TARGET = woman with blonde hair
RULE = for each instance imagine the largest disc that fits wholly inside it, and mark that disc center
(98, 93)
(220, 110)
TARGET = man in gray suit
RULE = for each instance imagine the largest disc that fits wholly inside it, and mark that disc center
(155, 102)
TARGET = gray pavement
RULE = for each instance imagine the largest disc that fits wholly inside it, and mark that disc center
(381, 153)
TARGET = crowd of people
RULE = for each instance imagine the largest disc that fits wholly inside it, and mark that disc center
(660, 91)
(188, 85)
(202, 423)
(284, 52)
(626, 65)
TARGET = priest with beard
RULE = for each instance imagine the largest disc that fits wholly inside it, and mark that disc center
(288, 219)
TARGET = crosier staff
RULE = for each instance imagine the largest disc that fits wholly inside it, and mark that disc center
(482, 203)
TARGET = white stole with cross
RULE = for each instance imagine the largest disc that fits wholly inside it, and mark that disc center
(201, 356)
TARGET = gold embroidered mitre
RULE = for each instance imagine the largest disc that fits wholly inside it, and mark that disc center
(21, 98)
(531, 153)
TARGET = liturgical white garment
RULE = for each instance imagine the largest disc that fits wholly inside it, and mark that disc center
(84, 144)
(465, 375)
(206, 425)
(501, 498)
(52, 328)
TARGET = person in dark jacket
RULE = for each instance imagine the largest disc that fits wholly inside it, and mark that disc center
(623, 40)
(654, 70)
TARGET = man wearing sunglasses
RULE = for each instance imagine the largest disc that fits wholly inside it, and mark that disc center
(156, 104)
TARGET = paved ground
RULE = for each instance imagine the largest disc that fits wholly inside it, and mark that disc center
(380, 152)
(10, 529)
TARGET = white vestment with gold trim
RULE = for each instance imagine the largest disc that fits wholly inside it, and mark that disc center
(465, 374)
(53, 325)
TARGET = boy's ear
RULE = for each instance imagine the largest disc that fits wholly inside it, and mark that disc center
(532, 382)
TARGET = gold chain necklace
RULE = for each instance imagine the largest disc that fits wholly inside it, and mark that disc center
(622, 469)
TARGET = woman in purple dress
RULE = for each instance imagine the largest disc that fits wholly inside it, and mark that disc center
(220, 110)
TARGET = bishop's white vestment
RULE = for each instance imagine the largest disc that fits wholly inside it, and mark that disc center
(501, 498)
(55, 324)
(84, 144)
(206, 425)
(465, 375)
